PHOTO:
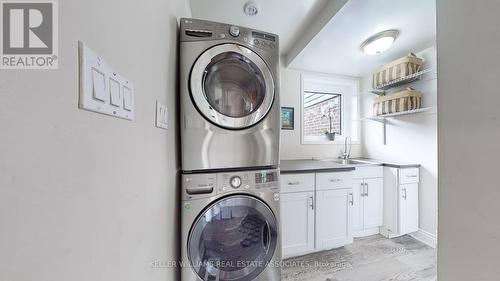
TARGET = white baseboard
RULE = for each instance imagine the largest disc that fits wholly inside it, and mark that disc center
(387, 234)
(366, 232)
(425, 237)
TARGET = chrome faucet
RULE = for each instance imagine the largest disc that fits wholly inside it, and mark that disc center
(346, 153)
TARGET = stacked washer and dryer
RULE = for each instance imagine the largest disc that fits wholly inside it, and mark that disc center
(230, 133)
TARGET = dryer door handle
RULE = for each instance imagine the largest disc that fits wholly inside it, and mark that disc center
(266, 237)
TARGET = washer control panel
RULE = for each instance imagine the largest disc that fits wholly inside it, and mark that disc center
(198, 186)
(247, 181)
(201, 185)
(266, 177)
(235, 182)
(234, 31)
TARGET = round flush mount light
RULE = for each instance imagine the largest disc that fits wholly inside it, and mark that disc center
(251, 8)
(379, 42)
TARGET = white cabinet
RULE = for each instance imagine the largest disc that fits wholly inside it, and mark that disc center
(297, 214)
(401, 201)
(368, 196)
(315, 212)
(333, 209)
(297, 221)
(333, 228)
(408, 208)
(373, 206)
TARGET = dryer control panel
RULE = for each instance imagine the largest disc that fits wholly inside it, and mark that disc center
(202, 30)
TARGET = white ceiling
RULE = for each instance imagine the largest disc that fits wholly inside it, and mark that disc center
(336, 48)
(287, 18)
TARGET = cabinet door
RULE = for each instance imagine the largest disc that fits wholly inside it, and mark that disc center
(357, 206)
(373, 207)
(332, 212)
(408, 208)
(297, 223)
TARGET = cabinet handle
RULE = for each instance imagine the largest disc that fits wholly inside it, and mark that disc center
(404, 193)
(335, 180)
(311, 204)
(362, 189)
(294, 183)
(351, 200)
(411, 176)
(367, 189)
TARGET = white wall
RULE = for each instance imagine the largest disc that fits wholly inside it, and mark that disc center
(85, 196)
(291, 147)
(410, 139)
(469, 134)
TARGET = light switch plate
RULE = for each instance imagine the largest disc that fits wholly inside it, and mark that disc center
(102, 89)
(161, 115)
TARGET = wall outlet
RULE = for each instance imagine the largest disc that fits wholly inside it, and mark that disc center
(161, 115)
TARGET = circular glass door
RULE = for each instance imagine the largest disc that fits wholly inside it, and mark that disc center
(232, 86)
(233, 239)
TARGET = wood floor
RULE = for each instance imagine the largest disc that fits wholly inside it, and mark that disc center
(373, 258)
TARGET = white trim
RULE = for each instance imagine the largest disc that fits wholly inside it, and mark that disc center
(366, 232)
(425, 237)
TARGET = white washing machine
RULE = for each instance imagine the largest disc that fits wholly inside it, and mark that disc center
(229, 87)
(230, 226)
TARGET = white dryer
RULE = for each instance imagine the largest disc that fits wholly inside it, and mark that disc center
(229, 87)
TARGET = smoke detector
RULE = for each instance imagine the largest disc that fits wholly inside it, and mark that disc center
(251, 8)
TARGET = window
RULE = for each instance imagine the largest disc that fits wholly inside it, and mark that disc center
(329, 105)
(322, 113)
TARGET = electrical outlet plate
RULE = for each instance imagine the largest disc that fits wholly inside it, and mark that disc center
(161, 115)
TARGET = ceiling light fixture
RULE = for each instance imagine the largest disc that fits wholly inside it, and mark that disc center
(251, 8)
(379, 42)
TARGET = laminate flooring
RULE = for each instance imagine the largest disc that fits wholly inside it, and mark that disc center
(373, 258)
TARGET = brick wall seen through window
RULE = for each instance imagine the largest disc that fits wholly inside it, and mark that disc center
(317, 109)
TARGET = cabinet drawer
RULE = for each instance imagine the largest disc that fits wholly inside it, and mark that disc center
(368, 172)
(296, 183)
(408, 175)
(325, 181)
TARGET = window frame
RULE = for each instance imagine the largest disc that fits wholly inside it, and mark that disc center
(351, 87)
